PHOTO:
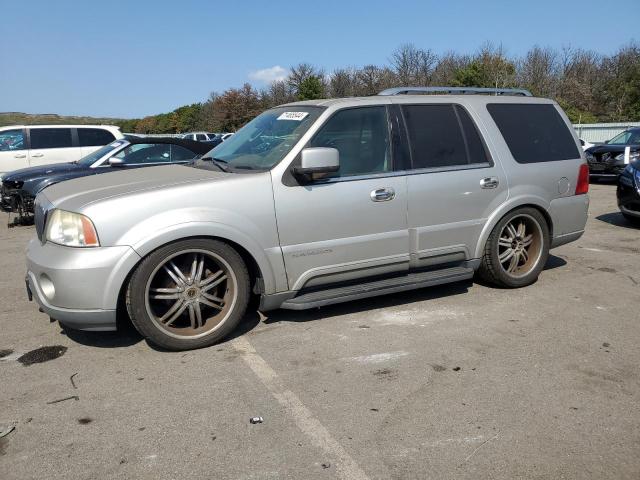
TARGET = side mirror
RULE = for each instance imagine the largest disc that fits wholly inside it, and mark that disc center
(116, 162)
(316, 162)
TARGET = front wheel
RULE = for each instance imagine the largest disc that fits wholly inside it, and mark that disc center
(188, 294)
(517, 249)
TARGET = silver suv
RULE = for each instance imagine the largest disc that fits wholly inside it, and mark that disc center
(314, 203)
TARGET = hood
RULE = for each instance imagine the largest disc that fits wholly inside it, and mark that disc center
(42, 171)
(605, 147)
(74, 194)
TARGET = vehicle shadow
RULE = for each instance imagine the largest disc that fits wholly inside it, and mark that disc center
(616, 219)
(373, 303)
(125, 336)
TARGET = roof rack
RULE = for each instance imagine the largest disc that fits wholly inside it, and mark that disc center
(457, 91)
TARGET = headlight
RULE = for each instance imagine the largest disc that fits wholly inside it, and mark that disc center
(633, 156)
(71, 229)
(590, 157)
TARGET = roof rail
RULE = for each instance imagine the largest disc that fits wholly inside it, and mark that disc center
(457, 91)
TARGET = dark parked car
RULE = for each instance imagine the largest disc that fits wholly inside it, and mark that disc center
(608, 159)
(20, 187)
(629, 192)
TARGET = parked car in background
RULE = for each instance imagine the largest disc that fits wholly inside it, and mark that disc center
(628, 192)
(585, 144)
(315, 203)
(226, 136)
(18, 189)
(31, 145)
(199, 136)
(608, 159)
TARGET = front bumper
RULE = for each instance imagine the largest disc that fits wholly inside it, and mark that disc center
(79, 287)
(605, 169)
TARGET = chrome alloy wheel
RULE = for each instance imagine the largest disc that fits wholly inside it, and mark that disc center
(520, 245)
(191, 293)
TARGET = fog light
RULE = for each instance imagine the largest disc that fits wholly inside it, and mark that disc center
(46, 285)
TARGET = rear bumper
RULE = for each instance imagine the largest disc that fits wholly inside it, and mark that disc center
(79, 286)
(569, 217)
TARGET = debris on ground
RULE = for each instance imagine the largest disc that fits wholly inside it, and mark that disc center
(4, 352)
(4, 431)
(255, 420)
(326, 465)
(72, 397)
(72, 382)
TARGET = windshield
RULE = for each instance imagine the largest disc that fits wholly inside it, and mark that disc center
(627, 137)
(90, 159)
(266, 139)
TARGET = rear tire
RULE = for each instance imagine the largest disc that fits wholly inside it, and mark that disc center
(517, 249)
(188, 294)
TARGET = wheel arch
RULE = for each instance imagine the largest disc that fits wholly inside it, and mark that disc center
(532, 202)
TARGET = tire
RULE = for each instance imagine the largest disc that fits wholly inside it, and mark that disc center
(188, 294)
(631, 219)
(513, 257)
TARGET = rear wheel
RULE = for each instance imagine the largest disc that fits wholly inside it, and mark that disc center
(188, 294)
(517, 249)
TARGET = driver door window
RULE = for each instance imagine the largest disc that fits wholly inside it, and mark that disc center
(361, 135)
(145, 153)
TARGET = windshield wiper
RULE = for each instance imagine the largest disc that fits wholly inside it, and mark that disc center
(218, 162)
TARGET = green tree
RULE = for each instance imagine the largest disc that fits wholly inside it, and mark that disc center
(311, 89)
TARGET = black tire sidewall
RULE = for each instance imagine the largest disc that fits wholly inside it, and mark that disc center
(491, 267)
(136, 293)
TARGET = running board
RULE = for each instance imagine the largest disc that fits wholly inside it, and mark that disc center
(411, 281)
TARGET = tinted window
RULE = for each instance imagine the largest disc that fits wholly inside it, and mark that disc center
(361, 136)
(50, 138)
(145, 153)
(94, 137)
(534, 132)
(200, 137)
(442, 136)
(11, 140)
(179, 153)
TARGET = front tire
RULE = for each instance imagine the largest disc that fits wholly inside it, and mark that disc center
(517, 249)
(188, 294)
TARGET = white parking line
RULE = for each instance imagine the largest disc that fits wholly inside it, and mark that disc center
(346, 466)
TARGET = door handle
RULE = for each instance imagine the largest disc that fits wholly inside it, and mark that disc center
(20, 155)
(383, 194)
(37, 155)
(489, 182)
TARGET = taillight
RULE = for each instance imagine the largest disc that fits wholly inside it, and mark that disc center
(582, 186)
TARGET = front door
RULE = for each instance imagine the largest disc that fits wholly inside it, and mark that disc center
(354, 224)
(453, 184)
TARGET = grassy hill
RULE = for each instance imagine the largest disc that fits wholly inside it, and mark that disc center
(18, 118)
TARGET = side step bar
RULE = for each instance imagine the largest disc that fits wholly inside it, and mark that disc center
(411, 281)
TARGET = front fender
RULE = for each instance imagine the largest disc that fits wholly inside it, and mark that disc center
(172, 226)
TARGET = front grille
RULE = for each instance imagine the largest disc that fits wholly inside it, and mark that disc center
(39, 218)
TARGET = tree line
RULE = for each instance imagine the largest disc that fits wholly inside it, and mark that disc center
(589, 86)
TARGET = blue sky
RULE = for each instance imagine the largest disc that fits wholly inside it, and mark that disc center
(130, 59)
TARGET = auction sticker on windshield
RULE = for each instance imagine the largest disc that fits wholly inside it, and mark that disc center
(297, 116)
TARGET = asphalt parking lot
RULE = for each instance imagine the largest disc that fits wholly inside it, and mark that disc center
(461, 381)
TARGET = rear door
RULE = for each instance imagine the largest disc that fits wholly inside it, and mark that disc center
(91, 139)
(52, 145)
(453, 183)
(13, 150)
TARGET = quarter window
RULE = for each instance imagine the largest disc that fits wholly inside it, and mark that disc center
(94, 137)
(11, 140)
(361, 135)
(442, 136)
(534, 132)
(42, 138)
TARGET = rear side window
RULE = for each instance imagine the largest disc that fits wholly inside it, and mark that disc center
(534, 132)
(42, 138)
(94, 137)
(442, 136)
